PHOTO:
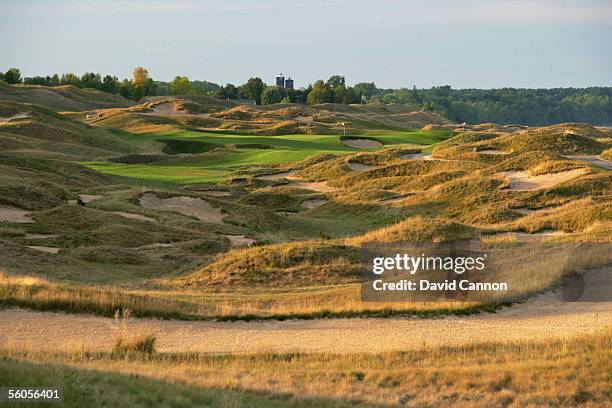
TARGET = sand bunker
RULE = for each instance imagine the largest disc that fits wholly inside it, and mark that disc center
(395, 199)
(539, 319)
(361, 167)
(195, 207)
(320, 186)
(240, 240)
(523, 236)
(22, 115)
(310, 204)
(88, 198)
(494, 152)
(417, 156)
(164, 109)
(49, 250)
(522, 181)
(304, 119)
(592, 159)
(155, 245)
(361, 143)
(14, 214)
(218, 193)
(40, 236)
(133, 216)
(276, 176)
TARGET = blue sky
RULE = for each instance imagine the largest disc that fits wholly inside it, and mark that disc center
(462, 43)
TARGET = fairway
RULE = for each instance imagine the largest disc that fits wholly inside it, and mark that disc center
(236, 151)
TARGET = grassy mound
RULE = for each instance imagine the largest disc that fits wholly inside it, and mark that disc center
(62, 98)
(283, 264)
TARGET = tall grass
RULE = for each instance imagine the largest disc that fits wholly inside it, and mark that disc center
(564, 372)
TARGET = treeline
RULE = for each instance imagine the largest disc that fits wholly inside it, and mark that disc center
(136, 88)
(534, 107)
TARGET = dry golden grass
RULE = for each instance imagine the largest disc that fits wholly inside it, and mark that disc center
(243, 303)
(555, 372)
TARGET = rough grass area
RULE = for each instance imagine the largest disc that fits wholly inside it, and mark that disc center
(102, 388)
(558, 372)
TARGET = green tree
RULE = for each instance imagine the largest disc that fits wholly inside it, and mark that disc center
(228, 91)
(272, 94)
(125, 88)
(320, 93)
(366, 89)
(180, 86)
(12, 76)
(336, 81)
(70, 79)
(253, 89)
(110, 84)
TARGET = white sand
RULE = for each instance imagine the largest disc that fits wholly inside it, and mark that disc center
(276, 176)
(49, 250)
(592, 159)
(240, 240)
(320, 186)
(133, 216)
(493, 152)
(361, 167)
(418, 156)
(542, 318)
(310, 204)
(22, 115)
(361, 143)
(522, 181)
(218, 193)
(40, 236)
(14, 214)
(194, 207)
(88, 198)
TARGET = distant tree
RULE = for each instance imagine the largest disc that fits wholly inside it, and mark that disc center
(125, 89)
(366, 89)
(142, 85)
(228, 91)
(110, 84)
(180, 86)
(335, 81)
(320, 93)
(91, 80)
(272, 94)
(205, 88)
(55, 80)
(253, 89)
(70, 79)
(12, 76)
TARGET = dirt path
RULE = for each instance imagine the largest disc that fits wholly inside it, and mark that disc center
(544, 317)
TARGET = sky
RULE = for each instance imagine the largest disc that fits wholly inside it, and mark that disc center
(394, 43)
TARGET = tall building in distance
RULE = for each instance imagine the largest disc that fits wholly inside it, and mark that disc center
(284, 83)
(280, 80)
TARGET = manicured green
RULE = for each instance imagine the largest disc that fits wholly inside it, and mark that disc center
(216, 165)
